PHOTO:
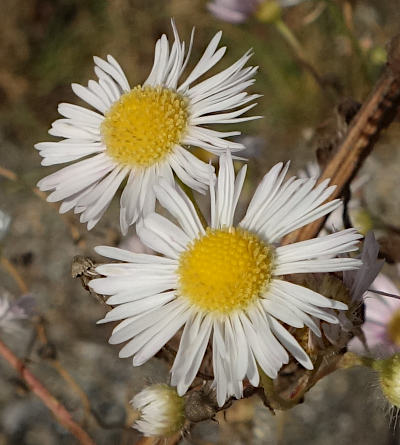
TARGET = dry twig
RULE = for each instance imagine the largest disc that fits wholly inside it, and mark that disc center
(377, 113)
(56, 407)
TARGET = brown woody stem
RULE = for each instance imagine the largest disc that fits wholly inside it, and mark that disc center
(377, 113)
(56, 407)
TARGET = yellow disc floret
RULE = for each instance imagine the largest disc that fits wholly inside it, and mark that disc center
(142, 127)
(225, 270)
(393, 328)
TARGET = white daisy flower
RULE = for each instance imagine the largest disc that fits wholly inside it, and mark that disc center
(161, 411)
(141, 132)
(225, 281)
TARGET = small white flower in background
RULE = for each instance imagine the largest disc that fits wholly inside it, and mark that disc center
(161, 411)
(238, 11)
(12, 311)
(5, 221)
(141, 132)
(382, 320)
(225, 281)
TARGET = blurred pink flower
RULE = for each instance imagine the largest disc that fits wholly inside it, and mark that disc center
(238, 11)
(20, 309)
(382, 320)
(233, 11)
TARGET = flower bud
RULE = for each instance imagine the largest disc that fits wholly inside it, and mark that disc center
(361, 220)
(160, 409)
(389, 378)
(269, 11)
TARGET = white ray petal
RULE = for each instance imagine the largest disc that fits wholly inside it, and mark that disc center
(89, 97)
(167, 231)
(147, 343)
(191, 352)
(114, 70)
(76, 112)
(210, 57)
(141, 323)
(157, 243)
(306, 295)
(124, 255)
(130, 287)
(290, 343)
(319, 265)
(133, 308)
(333, 244)
(225, 192)
(264, 196)
(180, 208)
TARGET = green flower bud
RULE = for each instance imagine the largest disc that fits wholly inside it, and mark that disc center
(389, 378)
(269, 11)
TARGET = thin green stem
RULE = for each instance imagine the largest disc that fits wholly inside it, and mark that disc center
(299, 53)
(290, 38)
(337, 14)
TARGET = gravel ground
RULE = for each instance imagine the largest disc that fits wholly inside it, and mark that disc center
(46, 45)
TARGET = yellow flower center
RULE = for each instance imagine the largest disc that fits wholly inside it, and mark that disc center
(142, 127)
(393, 328)
(225, 270)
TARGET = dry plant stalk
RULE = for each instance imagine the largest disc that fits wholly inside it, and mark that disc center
(377, 113)
(56, 407)
(61, 414)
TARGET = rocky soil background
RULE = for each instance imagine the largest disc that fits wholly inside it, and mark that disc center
(44, 46)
